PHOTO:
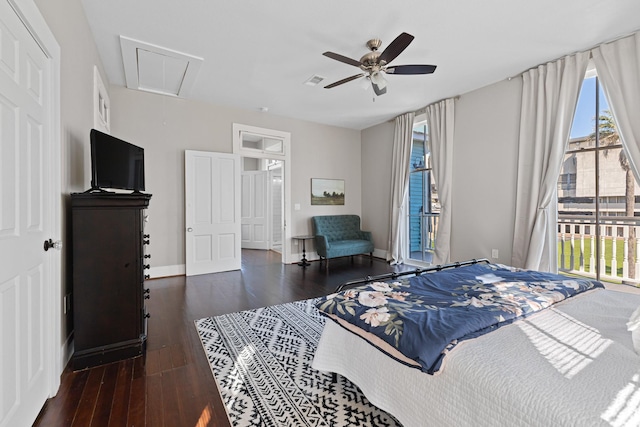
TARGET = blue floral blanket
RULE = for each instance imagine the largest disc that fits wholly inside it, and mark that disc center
(424, 317)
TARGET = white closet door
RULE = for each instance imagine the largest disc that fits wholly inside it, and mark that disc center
(25, 223)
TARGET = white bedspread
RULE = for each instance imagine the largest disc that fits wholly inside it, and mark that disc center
(573, 365)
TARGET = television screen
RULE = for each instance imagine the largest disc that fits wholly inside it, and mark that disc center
(115, 163)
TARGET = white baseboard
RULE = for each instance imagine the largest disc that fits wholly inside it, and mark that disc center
(166, 271)
(66, 352)
(380, 253)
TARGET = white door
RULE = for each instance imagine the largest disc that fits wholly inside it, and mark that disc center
(212, 212)
(25, 222)
(276, 199)
(255, 213)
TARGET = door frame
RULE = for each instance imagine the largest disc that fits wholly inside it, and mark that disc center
(271, 207)
(238, 129)
(35, 23)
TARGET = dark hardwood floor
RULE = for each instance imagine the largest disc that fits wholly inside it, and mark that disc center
(172, 384)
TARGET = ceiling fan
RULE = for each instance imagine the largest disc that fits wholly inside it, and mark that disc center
(374, 63)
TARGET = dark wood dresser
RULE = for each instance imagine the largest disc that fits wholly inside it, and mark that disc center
(109, 262)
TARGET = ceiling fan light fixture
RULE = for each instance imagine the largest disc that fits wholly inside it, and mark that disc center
(378, 79)
(374, 63)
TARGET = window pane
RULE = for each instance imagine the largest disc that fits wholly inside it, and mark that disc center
(584, 118)
(595, 169)
(417, 179)
(262, 143)
(273, 145)
(422, 199)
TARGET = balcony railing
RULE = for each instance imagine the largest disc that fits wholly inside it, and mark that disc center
(577, 247)
(422, 235)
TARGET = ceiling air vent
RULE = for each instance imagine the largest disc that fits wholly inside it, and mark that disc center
(314, 80)
(156, 69)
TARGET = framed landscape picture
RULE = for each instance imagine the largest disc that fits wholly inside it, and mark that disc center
(327, 191)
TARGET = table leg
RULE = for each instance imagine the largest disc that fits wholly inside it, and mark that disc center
(304, 263)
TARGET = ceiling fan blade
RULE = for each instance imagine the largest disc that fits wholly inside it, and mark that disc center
(342, 58)
(396, 47)
(348, 79)
(378, 90)
(411, 69)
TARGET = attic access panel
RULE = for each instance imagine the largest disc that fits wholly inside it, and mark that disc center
(157, 69)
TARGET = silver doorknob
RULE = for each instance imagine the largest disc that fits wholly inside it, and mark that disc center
(48, 244)
(189, 229)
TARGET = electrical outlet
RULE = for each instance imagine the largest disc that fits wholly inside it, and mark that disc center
(494, 254)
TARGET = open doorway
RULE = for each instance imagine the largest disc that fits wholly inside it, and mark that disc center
(213, 199)
(265, 188)
(262, 205)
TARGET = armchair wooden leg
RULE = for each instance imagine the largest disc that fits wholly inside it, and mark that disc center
(324, 260)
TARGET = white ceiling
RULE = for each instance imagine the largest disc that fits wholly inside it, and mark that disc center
(258, 53)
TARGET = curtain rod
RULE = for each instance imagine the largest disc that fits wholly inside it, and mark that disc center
(424, 109)
(575, 53)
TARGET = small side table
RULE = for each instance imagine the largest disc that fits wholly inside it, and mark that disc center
(303, 262)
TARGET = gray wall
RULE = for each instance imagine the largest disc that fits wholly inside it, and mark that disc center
(377, 151)
(166, 126)
(79, 54)
(484, 173)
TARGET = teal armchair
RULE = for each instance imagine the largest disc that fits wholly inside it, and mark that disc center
(340, 235)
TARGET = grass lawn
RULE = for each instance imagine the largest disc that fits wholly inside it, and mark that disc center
(608, 248)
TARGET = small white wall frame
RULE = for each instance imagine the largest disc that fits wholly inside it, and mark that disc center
(101, 104)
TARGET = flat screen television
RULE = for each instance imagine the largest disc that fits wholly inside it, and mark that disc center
(115, 164)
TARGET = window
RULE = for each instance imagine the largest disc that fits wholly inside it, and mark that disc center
(596, 189)
(262, 143)
(424, 207)
(567, 181)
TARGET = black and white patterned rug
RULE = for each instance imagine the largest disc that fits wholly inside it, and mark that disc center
(261, 360)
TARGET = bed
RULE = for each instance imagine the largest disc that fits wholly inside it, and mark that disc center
(573, 363)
